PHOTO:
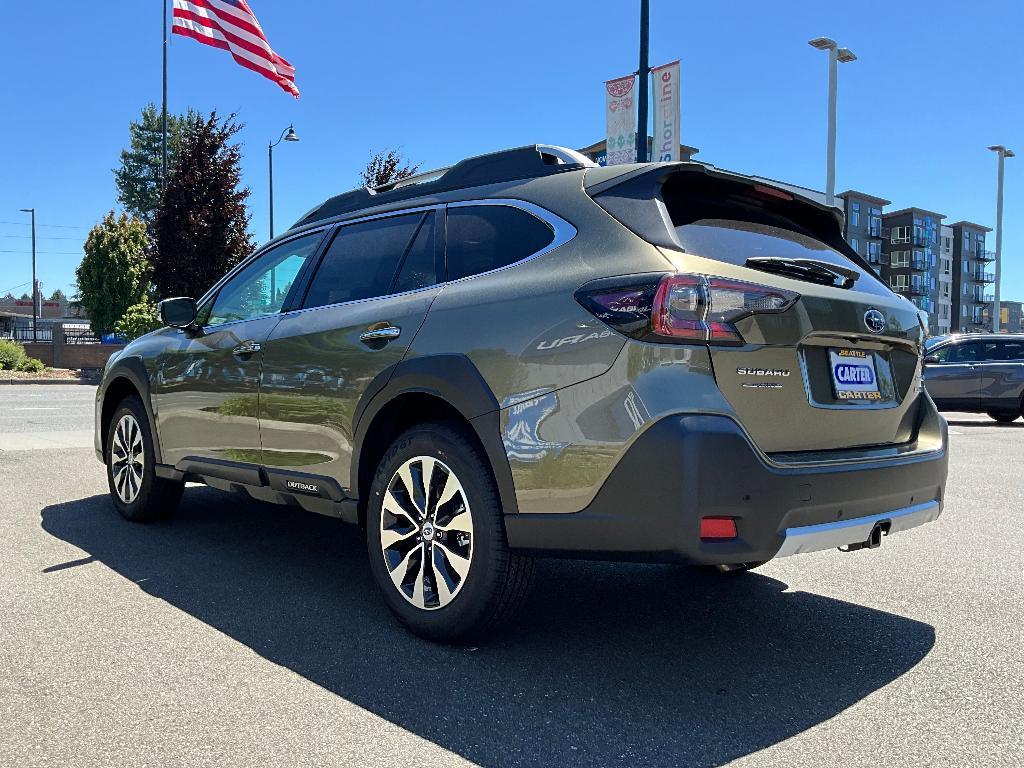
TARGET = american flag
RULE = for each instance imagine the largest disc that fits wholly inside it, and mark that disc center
(231, 25)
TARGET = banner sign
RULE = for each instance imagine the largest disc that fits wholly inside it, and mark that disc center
(666, 113)
(620, 116)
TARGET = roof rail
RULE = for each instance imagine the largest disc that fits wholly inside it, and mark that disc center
(533, 161)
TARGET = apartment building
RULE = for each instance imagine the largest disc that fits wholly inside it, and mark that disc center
(944, 269)
(973, 278)
(864, 225)
(1012, 316)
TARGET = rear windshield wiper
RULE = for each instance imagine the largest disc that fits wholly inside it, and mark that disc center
(810, 270)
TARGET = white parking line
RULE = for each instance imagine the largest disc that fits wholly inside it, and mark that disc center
(41, 441)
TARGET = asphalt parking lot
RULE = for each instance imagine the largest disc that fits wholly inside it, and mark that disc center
(241, 634)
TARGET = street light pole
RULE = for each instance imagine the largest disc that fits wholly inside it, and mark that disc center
(288, 134)
(644, 75)
(35, 313)
(836, 56)
(997, 315)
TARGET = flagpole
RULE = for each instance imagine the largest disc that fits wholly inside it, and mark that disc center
(163, 120)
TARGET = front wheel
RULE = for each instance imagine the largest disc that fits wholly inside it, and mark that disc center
(436, 537)
(1003, 417)
(137, 493)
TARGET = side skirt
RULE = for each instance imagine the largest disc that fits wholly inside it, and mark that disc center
(314, 493)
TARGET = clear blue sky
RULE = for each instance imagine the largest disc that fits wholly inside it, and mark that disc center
(935, 83)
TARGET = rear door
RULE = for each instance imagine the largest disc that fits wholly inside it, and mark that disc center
(1000, 368)
(365, 302)
(951, 375)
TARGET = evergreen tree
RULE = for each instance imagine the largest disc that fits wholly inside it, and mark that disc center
(200, 229)
(138, 178)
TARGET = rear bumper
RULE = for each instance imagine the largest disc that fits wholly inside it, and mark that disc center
(687, 467)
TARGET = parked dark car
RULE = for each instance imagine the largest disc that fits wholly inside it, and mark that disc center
(978, 372)
(526, 354)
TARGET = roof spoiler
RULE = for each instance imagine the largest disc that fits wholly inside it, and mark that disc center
(635, 199)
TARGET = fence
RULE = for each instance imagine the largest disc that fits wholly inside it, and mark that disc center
(43, 334)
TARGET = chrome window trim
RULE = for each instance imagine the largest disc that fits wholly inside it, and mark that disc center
(267, 247)
(563, 231)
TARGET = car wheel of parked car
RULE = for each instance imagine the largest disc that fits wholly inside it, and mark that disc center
(137, 493)
(1003, 417)
(436, 538)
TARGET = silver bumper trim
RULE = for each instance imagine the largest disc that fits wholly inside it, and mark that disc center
(814, 538)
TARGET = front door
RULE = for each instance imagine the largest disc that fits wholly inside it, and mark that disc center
(365, 303)
(206, 384)
(952, 378)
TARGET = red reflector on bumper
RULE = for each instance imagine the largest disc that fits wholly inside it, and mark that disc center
(718, 528)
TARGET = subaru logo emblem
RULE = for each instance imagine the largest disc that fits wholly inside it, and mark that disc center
(874, 320)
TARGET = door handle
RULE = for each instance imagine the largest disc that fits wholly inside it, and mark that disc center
(246, 348)
(385, 334)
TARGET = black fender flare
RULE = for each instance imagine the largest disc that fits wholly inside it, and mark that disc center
(134, 371)
(454, 379)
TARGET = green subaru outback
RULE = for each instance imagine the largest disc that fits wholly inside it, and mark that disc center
(528, 355)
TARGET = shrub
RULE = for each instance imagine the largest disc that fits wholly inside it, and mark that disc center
(12, 355)
(138, 320)
(31, 365)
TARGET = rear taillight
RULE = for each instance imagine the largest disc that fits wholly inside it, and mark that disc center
(681, 308)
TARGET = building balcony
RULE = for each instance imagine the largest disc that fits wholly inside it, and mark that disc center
(919, 265)
(875, 229)
(919, 240)
(982, 276)
(982, 298)
(918, 289)
(923, 302)
(982, 255)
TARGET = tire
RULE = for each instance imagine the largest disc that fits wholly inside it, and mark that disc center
(474, 583)
(135, 490)
(1003, 417)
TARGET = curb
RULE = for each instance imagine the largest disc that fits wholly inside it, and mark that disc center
(15, 382)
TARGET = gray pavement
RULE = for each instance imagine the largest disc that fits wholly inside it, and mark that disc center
(241, 634)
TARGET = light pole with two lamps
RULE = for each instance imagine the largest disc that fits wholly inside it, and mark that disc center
(836, 56)
(35, 311)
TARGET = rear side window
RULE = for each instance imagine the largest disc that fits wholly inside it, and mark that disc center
(1011, 350)
(481, 238)
(363, 259)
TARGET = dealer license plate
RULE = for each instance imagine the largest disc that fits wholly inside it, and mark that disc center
(853, 375)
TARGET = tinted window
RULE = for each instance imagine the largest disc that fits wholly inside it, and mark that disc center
(362, 260)
(1011, 350)
(261, 288)
(419, 269)
(959, 353)
(485, 237)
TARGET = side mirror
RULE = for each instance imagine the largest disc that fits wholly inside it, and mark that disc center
(179, 312)
(931, 359)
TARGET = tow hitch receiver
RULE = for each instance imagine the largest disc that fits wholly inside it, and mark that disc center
(881, 528)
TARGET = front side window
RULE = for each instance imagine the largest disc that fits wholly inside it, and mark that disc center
(363, 260)
(482, 238)
(262, 287)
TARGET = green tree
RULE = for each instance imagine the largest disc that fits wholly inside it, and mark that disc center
(58, 295)
(138, 178)
(386, 167)
(201, 228)
(138, 320)
(114, 273)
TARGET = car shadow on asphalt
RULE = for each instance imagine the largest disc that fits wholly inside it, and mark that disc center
(986, 423)
(608, 664)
